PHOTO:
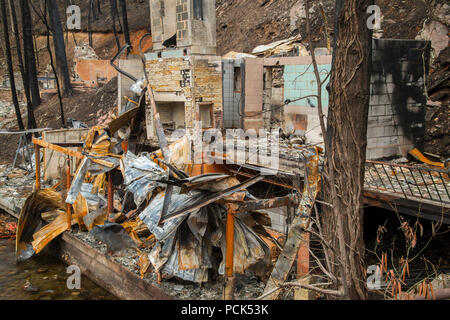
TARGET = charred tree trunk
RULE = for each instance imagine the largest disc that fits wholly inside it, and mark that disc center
(10, 65)
(26, 85)
(60, 48)
(91, 43)
(113, 7)
(30, 61)
(44, 20)
(126, 32)
(346, 141)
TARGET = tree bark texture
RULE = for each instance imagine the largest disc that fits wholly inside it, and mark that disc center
(346, 145)
(10, 65)
(30, 61)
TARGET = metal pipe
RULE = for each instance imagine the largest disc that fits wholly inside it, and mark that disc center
(229, 259)
(126, 74)
(68, 205)
(445, 185)
(435, 186)
(398, 181)
(406, 181)
(379, 176)
(415, 181)
(426, 186)
(408, 167)
(37, 155)
(110, 198)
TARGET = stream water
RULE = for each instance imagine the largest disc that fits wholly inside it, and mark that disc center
(46, 274)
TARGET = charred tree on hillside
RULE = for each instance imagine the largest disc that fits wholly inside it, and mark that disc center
(30, 61)
(345, 144)
(60, 48)
(43, 17)
(114, 14)
(94, 10)
(26, 85)
(89, 27)
(126, 32)
(10, 65)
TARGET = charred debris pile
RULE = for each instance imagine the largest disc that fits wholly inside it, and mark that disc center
(159, 213)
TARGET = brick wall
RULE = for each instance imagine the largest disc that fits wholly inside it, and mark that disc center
(193, 80)
(156, 6)
(91, 72)
(208, 84)
(196, 33)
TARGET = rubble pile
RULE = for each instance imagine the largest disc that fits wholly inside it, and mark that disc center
(185, 240)
(8, 119)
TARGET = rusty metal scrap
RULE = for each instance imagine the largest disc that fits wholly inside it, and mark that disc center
(96, 145)
(419, 156)
(50, 231)
(412, 182)
(39, 202)
(140, 174)
(212, 198)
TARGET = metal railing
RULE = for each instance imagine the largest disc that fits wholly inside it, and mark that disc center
(411, 181)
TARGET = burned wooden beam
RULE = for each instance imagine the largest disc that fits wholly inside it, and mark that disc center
(254, 205)
(296, 237)
(421, 208)
(76, 154)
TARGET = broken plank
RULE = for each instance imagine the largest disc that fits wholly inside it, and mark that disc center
(72, 153)
(296, 237)
(254, 205)
(110, 275)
